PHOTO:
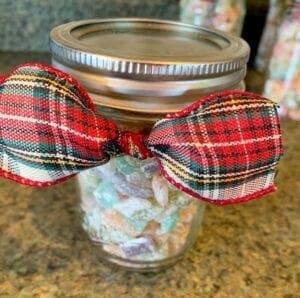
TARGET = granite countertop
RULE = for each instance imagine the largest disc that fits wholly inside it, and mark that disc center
(246, 250)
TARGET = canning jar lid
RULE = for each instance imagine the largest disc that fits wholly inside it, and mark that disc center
(143, 59)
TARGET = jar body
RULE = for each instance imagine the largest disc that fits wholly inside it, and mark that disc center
(269, 34)
(199, 13)
(283, 81)
(226, 15)
(229, 15)
(136, 217)
(139, 220)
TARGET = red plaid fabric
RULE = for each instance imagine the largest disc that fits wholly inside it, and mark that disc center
(48, 127)
(224, 148)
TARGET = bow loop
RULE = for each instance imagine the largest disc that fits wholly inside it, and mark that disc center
(223, 148)
(49, 129)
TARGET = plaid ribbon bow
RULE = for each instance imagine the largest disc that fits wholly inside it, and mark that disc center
(224, 148)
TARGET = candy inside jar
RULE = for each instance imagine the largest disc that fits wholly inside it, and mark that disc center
(136, 216)
(226, 15)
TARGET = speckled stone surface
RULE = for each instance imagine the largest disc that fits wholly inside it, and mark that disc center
(25, 24)
(246, 250)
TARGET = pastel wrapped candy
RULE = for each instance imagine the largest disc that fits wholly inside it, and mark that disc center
(229, 15)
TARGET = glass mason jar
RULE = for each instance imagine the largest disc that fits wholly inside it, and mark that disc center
(230, 15)
(274, 17)
(199, 13)
(283, 77)
(226, 15)
(136, 71)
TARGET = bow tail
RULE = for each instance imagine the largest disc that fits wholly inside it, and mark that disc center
(31, 172)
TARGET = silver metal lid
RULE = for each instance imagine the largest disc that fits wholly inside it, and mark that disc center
(147, 48)
(147, 58)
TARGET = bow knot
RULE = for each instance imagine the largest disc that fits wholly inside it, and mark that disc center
(134, 144)
(224, 148)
